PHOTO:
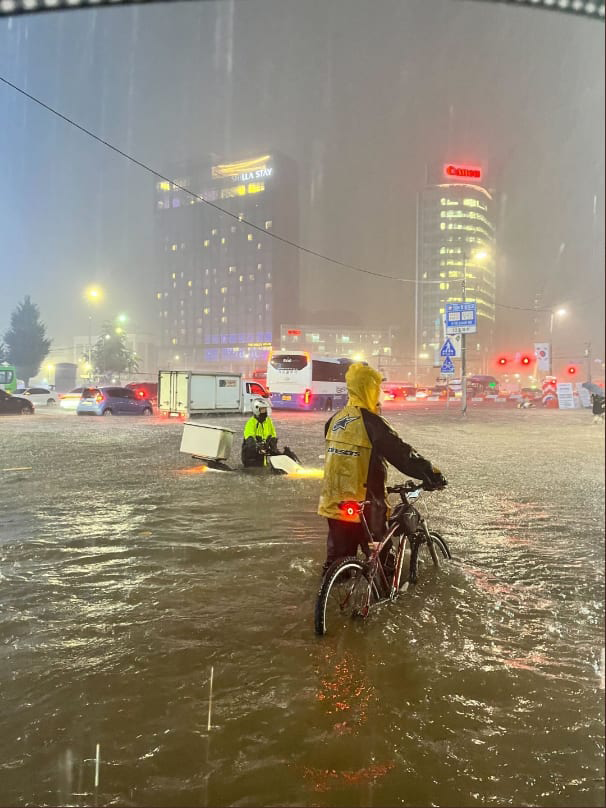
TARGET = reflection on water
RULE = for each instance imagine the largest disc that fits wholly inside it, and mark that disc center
(129, 572)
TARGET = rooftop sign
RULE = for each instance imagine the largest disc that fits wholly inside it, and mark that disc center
(463, 172)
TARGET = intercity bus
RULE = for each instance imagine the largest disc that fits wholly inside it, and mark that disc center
(8, 377)
(299, 381)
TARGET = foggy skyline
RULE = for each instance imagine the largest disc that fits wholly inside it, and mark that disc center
(362, 95)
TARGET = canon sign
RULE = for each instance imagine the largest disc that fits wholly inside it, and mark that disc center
(463, 171)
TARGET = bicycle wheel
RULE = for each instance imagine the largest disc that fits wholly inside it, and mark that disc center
(423, 550)
(346, 592)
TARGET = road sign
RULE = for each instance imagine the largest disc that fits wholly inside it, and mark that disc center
(448, 349)
(447, 366)
(542, 351)
(461, 318)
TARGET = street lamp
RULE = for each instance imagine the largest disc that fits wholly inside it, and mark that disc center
(93, 294)
(478, 255)
(560, 312)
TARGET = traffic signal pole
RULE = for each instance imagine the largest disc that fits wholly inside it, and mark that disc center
(463, 351)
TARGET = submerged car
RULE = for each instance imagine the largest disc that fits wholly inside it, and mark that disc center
(14, 405)
(69, 401)
(112, 401)
(39, 396)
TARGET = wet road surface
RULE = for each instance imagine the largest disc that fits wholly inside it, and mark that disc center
(126, 576)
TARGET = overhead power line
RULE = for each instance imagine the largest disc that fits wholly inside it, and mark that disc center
(236, 217)
(191, 193)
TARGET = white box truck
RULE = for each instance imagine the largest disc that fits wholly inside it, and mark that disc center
(190, 393)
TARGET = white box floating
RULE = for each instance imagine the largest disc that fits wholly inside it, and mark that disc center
(207, 442)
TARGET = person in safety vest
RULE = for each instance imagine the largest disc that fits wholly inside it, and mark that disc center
(260, 439)
(359, 444)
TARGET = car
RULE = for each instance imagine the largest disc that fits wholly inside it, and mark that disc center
(148, 390)
(14, 405)
(112, 401)
(253, 390)
(69, 401)
(39, 396)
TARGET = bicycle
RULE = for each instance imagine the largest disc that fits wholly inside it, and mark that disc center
(351, 586)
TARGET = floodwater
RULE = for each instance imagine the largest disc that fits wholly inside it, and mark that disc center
(126, 580)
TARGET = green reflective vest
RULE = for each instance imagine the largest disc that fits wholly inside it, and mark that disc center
(256, 429)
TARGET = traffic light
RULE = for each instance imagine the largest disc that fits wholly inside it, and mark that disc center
(571, 369)
(525, 360)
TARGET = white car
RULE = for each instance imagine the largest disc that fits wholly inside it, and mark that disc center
(39, 396)
(69, 401)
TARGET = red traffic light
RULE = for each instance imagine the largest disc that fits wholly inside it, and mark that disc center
(525, 360)
(502, 360)
(571, 369)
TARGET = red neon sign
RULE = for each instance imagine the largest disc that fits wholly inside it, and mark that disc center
(294, 332)
(463, 171)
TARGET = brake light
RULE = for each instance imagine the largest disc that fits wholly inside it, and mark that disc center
(141, 393)
(349, 508)
(307, 396)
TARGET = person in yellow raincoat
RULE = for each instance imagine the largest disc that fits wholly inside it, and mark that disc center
(359, 444)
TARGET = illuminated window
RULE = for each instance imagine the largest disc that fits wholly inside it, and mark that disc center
(174, 340)
(206, 292)
(251, 277)
(259, 246)
(256, 187)
(206, 242)
(268, 285)
(223, 319)
(174, 275)
(173, 247)
(163, 186)
(268, 224)
(159, 295)
(233, 228)
(241, 278)
(189, 283)
(223, 290)
(206, 310)
(213, 232)
(223, 240)
(231, 269)
(250, 236)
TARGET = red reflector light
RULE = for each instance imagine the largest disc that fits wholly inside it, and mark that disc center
(349, 508)
(307, 396)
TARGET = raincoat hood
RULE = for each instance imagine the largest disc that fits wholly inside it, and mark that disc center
(364, 387)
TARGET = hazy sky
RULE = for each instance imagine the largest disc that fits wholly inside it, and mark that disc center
(362, 93)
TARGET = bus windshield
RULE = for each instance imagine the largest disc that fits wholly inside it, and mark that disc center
(8, 378)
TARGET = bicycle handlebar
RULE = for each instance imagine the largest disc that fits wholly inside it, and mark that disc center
(404, 487)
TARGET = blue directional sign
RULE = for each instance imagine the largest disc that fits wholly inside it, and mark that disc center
(448, 349)
(461, 318)
(447, 366)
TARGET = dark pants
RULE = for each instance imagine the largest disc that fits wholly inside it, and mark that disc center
(344, 538)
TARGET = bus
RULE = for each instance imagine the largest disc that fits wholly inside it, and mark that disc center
(298, 381)
(8, 377)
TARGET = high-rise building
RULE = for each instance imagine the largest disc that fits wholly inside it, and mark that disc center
(455, 244)
(224, 287)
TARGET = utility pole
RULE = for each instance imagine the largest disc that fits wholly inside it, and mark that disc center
(588, 357)
(463, 346)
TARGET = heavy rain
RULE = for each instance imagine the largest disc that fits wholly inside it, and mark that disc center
(217, 218)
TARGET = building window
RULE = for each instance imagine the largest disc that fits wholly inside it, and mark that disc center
(213, 232)
(223, 240)
(250, 236)
(206, 242)
(268, 224)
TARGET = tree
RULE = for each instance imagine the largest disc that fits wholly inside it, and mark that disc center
(26, 342)
(110, 354)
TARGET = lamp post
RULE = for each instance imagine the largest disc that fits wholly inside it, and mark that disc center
(93, 294)
(480, 255)
(561, 312)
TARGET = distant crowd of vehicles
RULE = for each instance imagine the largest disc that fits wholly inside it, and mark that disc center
(294, 380)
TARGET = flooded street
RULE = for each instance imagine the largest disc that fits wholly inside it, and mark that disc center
(126, 576)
